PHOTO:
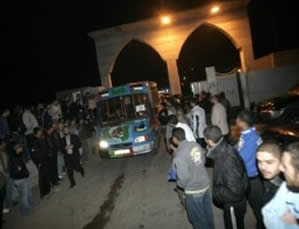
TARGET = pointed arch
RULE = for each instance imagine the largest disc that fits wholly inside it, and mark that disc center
(138, 61)
(207, 45)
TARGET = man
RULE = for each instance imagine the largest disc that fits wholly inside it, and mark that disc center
(188, 163)
(29, 120)
(19, 174)
(198, 117)
(219, 116)
(230, 181)
(60, 157)
(71, 145)
(5, 165)
(41, 158)
(4, 128)
(174, 122)
(247, 147)
(268, 160)
(282, 212)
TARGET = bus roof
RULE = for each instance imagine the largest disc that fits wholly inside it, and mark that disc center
(139, 87)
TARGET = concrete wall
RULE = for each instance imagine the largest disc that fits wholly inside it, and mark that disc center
(271, 82)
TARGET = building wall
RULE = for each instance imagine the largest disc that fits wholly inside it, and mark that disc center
(271, 82)
(168, 40)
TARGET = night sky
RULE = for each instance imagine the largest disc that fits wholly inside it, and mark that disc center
(45, 46)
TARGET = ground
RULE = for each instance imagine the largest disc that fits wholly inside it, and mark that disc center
(129, 193)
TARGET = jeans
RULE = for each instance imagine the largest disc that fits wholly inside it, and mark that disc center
(60, 164)
(25, 194)
(9, 191)
(199, 210)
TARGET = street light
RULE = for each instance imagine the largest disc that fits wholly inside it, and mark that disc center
(215, 9)
(165, 20)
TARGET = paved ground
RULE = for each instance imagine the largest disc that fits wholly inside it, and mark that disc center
(131, 193)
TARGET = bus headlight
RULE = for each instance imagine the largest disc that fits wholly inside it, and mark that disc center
(141, 139)
(103, 144)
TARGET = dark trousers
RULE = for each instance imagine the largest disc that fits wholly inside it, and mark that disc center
(2, 197)
(53, 169)
(255, 199)
(73, 163)
(44, 180)
(234, 214)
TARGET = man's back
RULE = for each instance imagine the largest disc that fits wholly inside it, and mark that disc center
(189, 161)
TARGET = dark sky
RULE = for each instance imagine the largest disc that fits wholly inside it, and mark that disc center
(45, 47)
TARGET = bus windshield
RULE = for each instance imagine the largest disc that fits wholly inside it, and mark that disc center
(123, 108)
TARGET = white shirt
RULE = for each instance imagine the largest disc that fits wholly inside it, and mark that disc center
(219, 118)
(188, 132)
(198, 121)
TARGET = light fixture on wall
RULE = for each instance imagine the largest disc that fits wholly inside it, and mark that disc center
(165, 19)
(215, 9)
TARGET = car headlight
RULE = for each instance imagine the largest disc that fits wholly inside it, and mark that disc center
(103, 144)
(141, 139)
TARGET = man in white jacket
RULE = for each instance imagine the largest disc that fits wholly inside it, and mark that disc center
(30, 121)
(198, 122)
(219, 116)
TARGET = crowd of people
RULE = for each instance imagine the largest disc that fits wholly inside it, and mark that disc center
(248, 170)
(55, 137)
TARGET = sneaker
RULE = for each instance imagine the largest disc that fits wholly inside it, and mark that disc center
(6, 210)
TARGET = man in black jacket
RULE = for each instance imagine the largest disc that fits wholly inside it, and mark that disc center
(230, 182)
(41, 158)
(71, 145)
(269, 162)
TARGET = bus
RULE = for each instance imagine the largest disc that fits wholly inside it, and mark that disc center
(127, 118)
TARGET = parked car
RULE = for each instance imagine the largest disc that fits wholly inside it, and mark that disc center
(285, 130)
(276, 107)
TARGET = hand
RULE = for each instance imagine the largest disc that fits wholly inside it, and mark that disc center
(289, 218)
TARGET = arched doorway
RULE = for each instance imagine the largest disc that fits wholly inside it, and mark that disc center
(206, 46)
(138, 62)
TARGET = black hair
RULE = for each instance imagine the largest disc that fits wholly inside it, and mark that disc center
(247, 117)
(173, 120)
(213, 133)
(271, 147)
(179, 133)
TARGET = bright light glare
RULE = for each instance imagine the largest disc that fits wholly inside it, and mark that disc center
(215, 9)
(104, 144)
(165, 20)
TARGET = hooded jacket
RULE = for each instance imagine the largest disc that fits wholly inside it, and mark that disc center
(230, 182)
(18, 169)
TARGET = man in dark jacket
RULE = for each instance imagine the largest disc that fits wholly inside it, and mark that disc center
(230, 182)
(41, 158)
(19, 174)
(71, 145)
(269, 162)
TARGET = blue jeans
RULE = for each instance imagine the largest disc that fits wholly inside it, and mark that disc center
(199, 210)
(25, 194)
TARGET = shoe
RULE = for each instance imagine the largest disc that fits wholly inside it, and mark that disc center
(72, 185)
(60, 178)
(83, 173)
(6, 211)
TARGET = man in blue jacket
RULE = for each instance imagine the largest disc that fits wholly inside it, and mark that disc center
(247, 147)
